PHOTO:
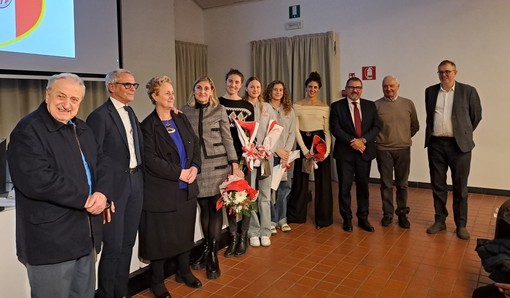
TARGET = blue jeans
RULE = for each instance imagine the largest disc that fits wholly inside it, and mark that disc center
(260, 221)
(279, 205)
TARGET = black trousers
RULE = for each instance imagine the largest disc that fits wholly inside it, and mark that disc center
(349, 171)
(300, 194)
(119, 239)
(443, 153)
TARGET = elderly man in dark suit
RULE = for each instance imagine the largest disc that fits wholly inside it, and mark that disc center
(62, 184)
(118, 134)
(355, 125)
(453, 113)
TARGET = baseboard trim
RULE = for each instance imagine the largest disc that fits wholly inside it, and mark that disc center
(471, 189)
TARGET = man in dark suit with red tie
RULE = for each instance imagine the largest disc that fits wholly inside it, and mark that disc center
(453, 113)
(355, 125)
(118, 133)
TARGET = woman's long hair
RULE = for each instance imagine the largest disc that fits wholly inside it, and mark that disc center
(286, 100)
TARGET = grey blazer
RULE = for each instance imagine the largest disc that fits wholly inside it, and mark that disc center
(212, 127)
(466, 114)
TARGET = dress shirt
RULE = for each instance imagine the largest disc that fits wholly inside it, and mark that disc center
(389, 99)
(124, 116)
(351, 109)
(443, 126)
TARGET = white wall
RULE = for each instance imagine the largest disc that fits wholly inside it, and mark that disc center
(148, 43)
(407, 38)
(189, 22)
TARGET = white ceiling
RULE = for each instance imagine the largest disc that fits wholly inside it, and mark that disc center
(204, 4)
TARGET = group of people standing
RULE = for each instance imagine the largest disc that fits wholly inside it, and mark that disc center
(82, 184)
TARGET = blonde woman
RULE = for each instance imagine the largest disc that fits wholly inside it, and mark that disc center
(219, 159)
(172, 163)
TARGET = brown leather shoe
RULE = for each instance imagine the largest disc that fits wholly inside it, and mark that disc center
(438, 226)
(462, 233)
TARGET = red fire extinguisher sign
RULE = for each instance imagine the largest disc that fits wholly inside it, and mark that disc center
(368, 72)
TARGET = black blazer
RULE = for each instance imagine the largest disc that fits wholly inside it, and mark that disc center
(111, 137)
(163, 166)
(466, 114)
(342, 127)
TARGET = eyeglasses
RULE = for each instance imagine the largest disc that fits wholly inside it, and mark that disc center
(446, 72)
(128, 85)
(354, 87)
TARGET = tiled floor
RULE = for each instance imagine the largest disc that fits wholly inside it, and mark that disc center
(391, 262)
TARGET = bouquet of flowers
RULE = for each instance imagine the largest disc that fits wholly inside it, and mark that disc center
(318, 151)
(274, 130)
(247, 132)
(253, 155)
(237, 196)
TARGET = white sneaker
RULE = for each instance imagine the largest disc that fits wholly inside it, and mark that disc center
(265, 241)
(273, 230)
(285, 228)
(255, 241)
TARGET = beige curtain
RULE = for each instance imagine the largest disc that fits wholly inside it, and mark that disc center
(271, 59)
(18, 97)
(291, 59)
(190, 64)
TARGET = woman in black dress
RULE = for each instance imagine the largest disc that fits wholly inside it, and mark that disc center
(172, 162)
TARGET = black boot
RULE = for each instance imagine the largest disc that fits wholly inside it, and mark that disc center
(403, 222)
(242, 246)
(199, 263)
(212, 267)
(231, 249)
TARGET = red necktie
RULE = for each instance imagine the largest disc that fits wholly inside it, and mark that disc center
(357, 120)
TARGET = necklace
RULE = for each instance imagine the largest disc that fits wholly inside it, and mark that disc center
(169, 128)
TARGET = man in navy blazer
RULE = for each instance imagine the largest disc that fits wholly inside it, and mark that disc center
(120, 138)
(354, 150)
(453, 113)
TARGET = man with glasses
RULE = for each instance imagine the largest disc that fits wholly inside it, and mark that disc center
(355, 125)
(118, 133)
(453, 113)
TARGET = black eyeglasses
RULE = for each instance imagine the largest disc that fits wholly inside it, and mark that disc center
(446, 72)
(128, 85)
(354, 87)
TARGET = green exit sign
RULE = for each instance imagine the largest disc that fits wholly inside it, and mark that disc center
(294, 11)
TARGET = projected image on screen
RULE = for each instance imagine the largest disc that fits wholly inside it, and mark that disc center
(37, 27)
(43, 37)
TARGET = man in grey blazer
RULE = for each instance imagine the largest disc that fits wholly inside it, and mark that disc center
(453, 113)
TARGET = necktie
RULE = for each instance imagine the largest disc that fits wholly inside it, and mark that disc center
(357, 120)
(134, 127)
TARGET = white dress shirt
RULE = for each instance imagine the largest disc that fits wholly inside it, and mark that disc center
(124, 116)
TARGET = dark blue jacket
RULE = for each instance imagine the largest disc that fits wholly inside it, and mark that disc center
(51, 188)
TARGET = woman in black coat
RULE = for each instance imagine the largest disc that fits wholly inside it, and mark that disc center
(172, 162)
